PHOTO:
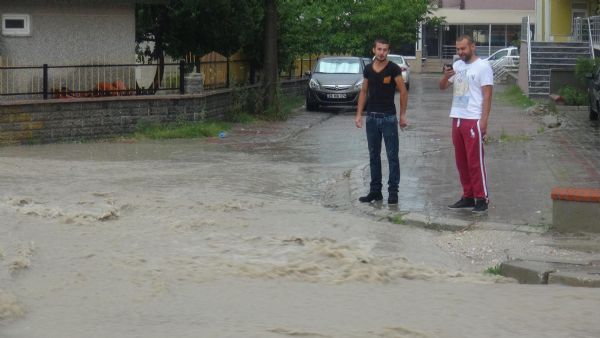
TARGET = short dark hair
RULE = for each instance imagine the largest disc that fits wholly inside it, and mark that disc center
(382, 41)
(467, 37)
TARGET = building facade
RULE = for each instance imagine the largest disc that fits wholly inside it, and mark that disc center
(493, 24)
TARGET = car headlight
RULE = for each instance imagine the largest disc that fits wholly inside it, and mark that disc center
(313, 84)
(359, 84)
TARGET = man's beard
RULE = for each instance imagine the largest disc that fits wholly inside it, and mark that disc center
(467, 58)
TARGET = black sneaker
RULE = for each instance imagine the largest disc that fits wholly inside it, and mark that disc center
(393, 198)
(465, 202)
(481, 206)
(372, 196)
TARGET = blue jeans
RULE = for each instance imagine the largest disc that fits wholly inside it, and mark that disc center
(383, 126)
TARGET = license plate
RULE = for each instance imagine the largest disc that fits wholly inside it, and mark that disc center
(336, 96)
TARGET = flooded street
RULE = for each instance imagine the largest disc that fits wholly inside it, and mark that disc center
(193, 238)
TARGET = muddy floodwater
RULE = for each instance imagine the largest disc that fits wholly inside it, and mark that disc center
(199, 239)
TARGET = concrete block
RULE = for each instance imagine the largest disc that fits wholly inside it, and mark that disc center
(572, 216)
(527, 272)
(584, 278)
(576, 209)
(436, 223)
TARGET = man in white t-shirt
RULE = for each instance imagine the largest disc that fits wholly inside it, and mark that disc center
(472, 79)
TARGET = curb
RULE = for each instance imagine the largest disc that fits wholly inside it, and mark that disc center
(357, 177)
(579, 274)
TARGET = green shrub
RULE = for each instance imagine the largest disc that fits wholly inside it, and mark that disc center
(573, 96)
(585, 66)
(246, 105)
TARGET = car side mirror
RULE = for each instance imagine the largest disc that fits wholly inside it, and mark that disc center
(589, 76)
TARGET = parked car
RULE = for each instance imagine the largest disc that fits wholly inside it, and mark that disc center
(594, 94)
(335, 82)
(366, 61)
(499, 54)
(404, 67)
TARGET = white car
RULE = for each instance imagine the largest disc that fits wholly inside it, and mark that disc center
(404, 67)
(504, 52)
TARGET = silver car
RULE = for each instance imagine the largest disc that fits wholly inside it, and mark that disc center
(335, 82)
(404, 67)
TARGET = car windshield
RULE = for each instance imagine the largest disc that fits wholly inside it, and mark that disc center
(336, 66)
(396, 59)
(499, 54)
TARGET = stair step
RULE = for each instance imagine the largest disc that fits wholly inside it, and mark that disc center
(554, 61)
(538, 96)
(538, 66)
(560, 50)
(540, 84)
(539, 90)
(557, 44)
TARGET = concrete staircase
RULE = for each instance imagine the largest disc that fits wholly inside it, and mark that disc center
(546, 56)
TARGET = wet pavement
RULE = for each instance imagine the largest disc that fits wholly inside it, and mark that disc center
(259, 234)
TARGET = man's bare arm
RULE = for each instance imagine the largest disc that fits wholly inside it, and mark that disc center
(403, 100)
(445, 80)
(362, 98)
(486, 108)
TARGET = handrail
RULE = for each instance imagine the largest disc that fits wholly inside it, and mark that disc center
(590, 36)
(528, 49)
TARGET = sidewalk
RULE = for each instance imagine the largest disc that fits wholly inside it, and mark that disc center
(525, 159)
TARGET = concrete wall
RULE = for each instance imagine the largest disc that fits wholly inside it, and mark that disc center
(523, 80)
(73, 32)
(492, 4)
(75, 119)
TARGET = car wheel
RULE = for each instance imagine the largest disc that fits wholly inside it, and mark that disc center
(311, 106)
(594, 114)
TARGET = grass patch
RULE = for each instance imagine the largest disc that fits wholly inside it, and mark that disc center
(158, 131)
(397, 219)
(513, 95)
(282, 109)
(291, 103)
(493, 270)
(507, 138)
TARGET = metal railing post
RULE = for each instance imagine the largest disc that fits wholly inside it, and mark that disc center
(181, 77)
(45, 81)
(590, 37)
(528, 50)
(228, 81)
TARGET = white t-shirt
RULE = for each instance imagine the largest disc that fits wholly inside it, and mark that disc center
(467, 102)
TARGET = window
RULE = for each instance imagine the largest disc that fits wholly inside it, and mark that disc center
(339, 66)
(15, 24)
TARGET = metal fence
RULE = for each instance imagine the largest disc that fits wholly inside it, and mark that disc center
(587, 30)
(448, 51)
(46, 81)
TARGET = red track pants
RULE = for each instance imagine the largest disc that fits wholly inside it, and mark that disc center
(468, 151)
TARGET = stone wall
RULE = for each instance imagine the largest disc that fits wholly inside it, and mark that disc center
(43, 121)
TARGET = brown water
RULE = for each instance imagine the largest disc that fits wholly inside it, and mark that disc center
(187, 239)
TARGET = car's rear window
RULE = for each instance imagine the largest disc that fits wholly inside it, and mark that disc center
(337, 66)
(396, 59)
